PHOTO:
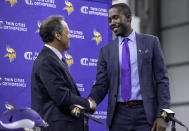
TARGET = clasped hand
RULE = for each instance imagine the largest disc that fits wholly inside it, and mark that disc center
(159, 125)
(93, 109)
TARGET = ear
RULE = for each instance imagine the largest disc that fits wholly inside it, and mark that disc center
(57, 36)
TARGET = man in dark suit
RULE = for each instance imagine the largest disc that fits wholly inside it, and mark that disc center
(131, 70)
(53, 89)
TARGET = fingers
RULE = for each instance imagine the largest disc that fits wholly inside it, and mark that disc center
(93, 102)
(153, 128)
(160, 128)
(93, 108)
(159, 125)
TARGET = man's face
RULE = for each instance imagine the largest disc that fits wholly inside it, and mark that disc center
(65, 39)
(118, 22)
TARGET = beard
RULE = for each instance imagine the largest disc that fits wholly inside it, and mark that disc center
(122, 30)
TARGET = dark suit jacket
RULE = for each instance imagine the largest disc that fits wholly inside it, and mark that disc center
(53, 89)
(153, 76)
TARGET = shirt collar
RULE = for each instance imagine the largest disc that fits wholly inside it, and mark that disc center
(132, 37)
(55, 51)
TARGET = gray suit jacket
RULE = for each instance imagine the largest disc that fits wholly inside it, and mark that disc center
(153, 76)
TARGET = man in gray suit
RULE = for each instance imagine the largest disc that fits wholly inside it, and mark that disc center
(131, 70)
(53, 89)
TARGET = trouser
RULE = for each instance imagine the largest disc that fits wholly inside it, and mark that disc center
(130, 118)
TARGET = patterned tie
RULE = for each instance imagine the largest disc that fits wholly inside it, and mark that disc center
(125, 72)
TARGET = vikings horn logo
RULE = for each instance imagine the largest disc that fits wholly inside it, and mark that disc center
(38, 24)
(8, 106)
(12, 2)
(69, 7)
(11, 53)
(164, 115)
(25, 118)
(97, 37)
(76, 111)
(69, 59)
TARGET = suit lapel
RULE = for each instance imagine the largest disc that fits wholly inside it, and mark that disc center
(69, 75)
(64, 68)
(115, 51)
(140, 50)
(115, 62)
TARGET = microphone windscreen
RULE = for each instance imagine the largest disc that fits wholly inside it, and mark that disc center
(75, 111)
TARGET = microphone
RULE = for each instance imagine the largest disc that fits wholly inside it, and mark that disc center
(76, 110)
(168, 115)
(79, 112)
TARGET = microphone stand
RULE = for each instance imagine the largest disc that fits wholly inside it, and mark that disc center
(87, 117)
(86, 126)
(173, 128)
(168, 115)
(79, 112)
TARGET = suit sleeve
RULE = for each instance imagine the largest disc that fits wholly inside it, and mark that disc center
(56, 83)
(100, 88)
(161, 78)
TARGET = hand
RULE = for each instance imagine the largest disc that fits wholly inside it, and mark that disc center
(93, 109)
(159, 125)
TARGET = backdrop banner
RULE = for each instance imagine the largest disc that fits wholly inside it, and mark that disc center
(20, 44)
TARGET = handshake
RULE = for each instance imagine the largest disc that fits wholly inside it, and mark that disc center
(80, 111)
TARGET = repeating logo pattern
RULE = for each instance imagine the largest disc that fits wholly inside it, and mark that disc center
(84, 9)
(30, 56)
(91, 10)
(14, 27)
(69, 59)
(38, 24)
(28, 2)
(88, 61)
(97, 37)
(69, 7)
(11, 53)
(41, 3)
(12, 2)
(8, 106)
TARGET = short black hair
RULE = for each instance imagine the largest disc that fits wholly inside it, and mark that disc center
(48, 28)
(124, 8)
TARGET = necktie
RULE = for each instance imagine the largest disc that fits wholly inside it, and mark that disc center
(65, 63)
(125, 72)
